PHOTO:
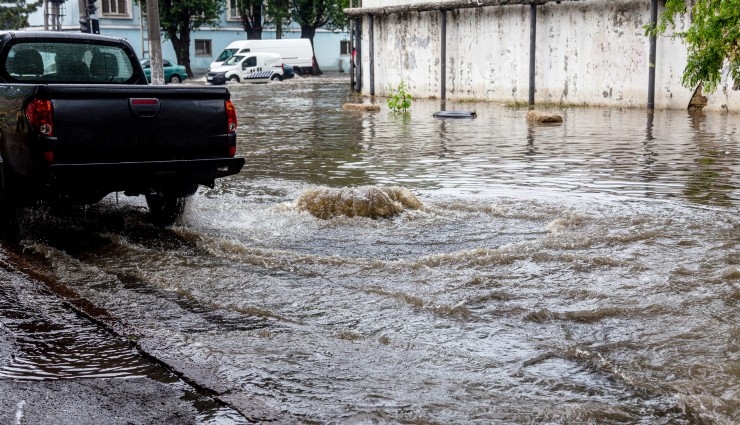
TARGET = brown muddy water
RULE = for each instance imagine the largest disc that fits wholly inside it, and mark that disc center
(587, 272)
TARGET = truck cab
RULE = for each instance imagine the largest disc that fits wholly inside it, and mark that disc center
(78, 121)
(248, 67)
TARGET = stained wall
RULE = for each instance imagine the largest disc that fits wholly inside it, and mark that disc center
(592, 52)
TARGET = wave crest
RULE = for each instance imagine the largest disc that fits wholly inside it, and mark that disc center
(367, 201)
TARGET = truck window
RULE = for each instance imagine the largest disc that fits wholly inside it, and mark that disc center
(251, 61)
(65, 62)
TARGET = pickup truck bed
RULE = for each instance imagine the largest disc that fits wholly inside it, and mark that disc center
(78, 135)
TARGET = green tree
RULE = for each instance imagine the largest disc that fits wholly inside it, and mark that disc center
(179, 17)
(713, 39)
(250, 12)
(14, 15)
(278, 13)
(314, 14)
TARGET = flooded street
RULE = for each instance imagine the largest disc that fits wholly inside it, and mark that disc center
(587, 272)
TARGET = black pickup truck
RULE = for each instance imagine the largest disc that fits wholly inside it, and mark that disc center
(78, 121)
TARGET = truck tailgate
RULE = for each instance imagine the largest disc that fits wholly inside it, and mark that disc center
(112, 124)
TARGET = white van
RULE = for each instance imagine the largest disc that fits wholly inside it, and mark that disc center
(295, 51)
(248, 68)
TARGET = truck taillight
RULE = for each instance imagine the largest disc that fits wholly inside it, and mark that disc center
(40, 114)
(230, 117)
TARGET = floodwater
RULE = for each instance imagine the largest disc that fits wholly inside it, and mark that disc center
(587, 272)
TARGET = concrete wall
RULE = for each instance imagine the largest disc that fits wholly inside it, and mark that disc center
(590, 52)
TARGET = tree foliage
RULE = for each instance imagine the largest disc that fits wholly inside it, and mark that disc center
(14, 15)
(179, 17)
(250, 12)
(314, 14)
(713, 38)
(278, 13)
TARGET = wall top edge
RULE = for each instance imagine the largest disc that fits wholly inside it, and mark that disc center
(429, 6)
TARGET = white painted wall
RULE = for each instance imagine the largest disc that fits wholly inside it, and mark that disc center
(590, 52)
(382, 3)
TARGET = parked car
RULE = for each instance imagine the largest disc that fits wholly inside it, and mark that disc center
(248, 68)
(173, 73)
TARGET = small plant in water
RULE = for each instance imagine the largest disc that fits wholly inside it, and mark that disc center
(398, 99)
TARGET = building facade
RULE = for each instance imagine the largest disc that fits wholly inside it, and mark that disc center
(123, 18)
(592, 52)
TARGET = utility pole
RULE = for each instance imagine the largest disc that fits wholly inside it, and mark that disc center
(155, 43)
(351, 50)
(653, 54)
(532, 51)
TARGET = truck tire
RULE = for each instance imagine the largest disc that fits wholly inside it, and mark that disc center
(234, 79)
(165, 209)
(10, 229)
(276, 77)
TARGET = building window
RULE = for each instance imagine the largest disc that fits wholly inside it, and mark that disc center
(344, 47)
(115, 8)
(203, 48)
(232, 10)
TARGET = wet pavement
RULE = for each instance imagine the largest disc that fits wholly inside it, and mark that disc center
(57, 366)
(587, 272)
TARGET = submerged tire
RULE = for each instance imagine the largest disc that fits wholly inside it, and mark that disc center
(164, 210)
(234, 79)
(455, 114)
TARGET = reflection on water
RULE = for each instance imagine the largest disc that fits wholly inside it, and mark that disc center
(674, 155)
(67, 348)
(587, 272)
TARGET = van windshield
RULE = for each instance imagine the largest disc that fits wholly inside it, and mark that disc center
(234, 60)
(227, 53)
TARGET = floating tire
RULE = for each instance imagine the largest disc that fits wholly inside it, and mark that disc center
(455, 114)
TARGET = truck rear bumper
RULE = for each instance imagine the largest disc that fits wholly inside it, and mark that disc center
(140, 177)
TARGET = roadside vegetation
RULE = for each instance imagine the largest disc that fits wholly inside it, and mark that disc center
(399, 100)
(712, 38)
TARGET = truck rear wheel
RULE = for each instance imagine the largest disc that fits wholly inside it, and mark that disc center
(165, 209)
(276, 77)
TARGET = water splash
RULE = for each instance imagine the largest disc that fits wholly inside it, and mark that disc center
(366, 201)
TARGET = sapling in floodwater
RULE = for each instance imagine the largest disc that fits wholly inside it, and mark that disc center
(398, 99)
